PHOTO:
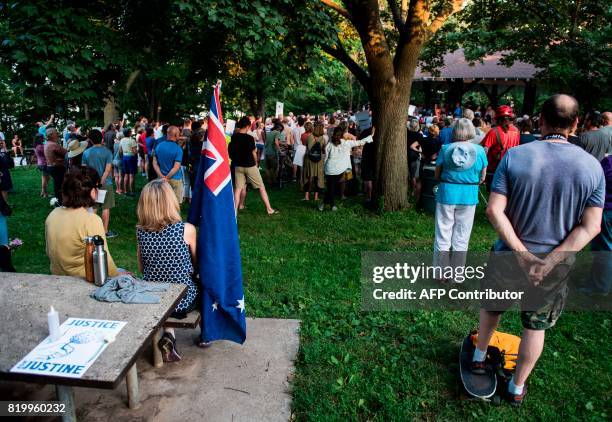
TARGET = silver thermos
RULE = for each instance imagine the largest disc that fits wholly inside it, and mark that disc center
(100, 264)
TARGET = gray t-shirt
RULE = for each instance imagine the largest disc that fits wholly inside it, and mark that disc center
(98, 158)
(596, 143)
(607, 131)
(548, 186)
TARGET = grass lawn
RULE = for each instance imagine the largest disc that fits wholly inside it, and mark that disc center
(354, 365)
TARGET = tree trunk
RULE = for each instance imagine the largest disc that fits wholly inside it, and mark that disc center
(86, 111)
(151, 100)
(261, 103)
(389, 78)
(111, 113)
(390, 110)
(349, 76)
(252, 104)
(158, 107)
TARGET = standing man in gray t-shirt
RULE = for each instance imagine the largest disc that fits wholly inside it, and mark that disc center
(593, 140)
(547, 197)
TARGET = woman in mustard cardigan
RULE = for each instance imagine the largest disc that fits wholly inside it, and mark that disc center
(67, 226)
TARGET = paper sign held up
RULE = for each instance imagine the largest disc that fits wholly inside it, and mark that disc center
(230, 125)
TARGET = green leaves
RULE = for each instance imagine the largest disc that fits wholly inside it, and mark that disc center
(568, 40)
(57, 49)
(20, 56)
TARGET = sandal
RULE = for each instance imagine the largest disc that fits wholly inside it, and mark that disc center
(203, 344)
(273, 212)
(167, 345)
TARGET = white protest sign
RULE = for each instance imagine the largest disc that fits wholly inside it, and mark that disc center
(279, 108)
(411, 110)
(298, 158)
(230, 125)
(81, 342)
(101, 196)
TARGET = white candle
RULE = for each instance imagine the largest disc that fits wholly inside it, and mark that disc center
(54, 325)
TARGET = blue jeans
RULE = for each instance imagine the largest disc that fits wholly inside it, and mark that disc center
(602, 257)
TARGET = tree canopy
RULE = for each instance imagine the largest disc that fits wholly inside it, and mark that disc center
(568, 40)
(159, 58)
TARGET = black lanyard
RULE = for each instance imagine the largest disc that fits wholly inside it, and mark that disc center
(555, 137)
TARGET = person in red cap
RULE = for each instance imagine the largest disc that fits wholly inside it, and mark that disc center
(503, 136)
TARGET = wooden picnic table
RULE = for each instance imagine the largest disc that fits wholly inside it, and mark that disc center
(25, 300)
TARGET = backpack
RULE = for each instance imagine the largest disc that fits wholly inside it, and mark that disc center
(315, 152)
(503, 348)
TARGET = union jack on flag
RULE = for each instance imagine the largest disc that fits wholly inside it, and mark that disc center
(218, 175)
(212, 209)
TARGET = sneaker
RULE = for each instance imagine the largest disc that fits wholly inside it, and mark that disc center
(321, 206)
(334, 208)
(479, 368)
(517, 399)
(111, 234)
(167, 345)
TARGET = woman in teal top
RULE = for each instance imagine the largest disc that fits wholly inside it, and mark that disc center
(460, 167)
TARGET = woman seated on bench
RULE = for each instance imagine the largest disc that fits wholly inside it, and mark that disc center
(166, 251)
(66, 227)
(17, 147)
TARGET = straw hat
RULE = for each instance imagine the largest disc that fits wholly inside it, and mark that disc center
(75, 148)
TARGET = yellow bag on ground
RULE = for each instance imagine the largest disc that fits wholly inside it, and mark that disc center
(507, 344)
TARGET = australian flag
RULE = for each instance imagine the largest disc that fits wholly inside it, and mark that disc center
(212, 209)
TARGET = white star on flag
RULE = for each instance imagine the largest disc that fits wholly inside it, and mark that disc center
(241, 304)
(214, 306)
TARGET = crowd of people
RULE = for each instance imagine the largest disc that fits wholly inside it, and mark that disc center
(546, 198)
(330, 157)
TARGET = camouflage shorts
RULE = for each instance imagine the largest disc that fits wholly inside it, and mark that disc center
(540, 305)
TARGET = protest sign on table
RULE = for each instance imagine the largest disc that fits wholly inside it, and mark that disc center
(79, 345)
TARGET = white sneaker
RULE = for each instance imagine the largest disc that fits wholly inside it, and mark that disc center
(334, 208)
(321, 206)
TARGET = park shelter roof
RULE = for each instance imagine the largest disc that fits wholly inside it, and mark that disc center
(489, 69)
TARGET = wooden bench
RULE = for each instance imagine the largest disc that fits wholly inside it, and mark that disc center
(192, 321)
(25, 325)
